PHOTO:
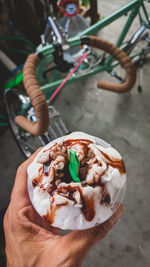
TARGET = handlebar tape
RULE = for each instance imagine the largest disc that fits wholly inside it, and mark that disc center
(125, 62)
(37, 98)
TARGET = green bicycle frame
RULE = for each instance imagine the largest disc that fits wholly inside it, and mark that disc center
(133, 8)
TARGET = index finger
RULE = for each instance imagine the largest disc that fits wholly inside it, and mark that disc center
(19, 191)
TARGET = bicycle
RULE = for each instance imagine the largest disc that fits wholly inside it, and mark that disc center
(56, 57)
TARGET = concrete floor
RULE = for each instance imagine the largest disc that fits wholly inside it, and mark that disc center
(123, 121)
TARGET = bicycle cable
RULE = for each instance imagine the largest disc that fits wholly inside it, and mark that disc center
(80, 61)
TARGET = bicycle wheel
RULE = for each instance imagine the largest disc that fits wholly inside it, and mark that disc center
(138, 48)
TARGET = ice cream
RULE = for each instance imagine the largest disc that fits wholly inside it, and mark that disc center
(71, 205)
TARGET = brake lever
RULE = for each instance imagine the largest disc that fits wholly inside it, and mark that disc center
(54, 32)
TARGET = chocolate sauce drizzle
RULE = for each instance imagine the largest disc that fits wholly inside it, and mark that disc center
(88, 206)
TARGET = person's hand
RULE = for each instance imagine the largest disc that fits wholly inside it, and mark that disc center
(31, 241)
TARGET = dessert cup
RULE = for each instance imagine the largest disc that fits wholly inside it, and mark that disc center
(77, 204)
